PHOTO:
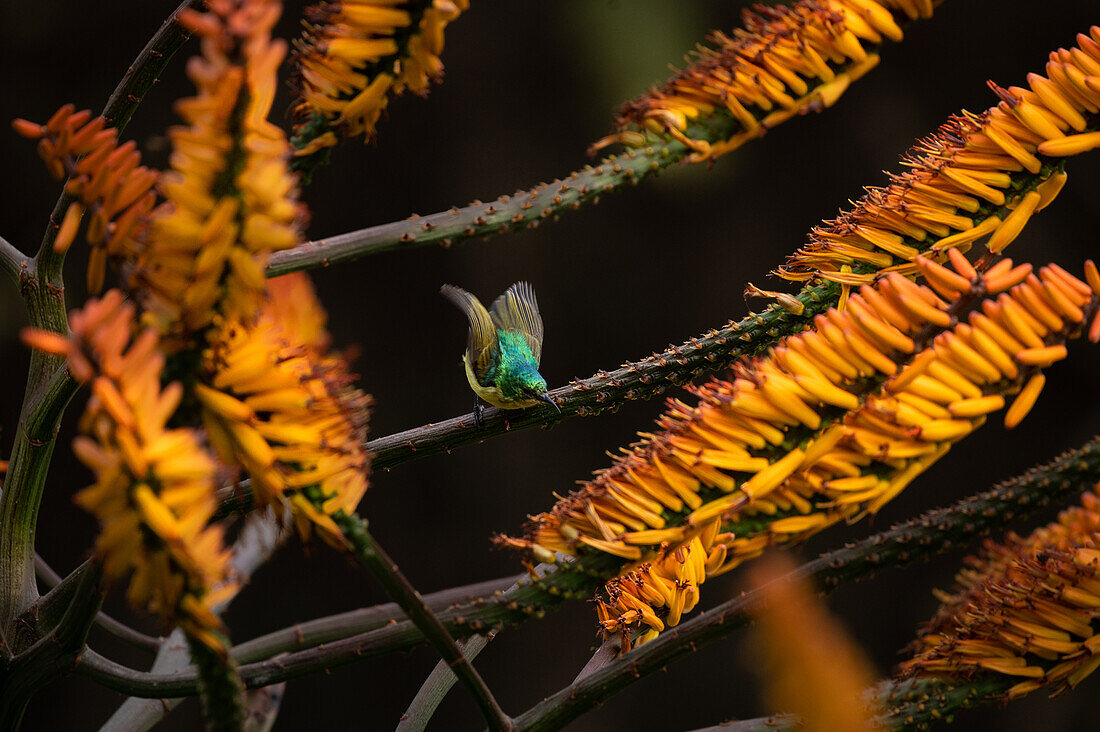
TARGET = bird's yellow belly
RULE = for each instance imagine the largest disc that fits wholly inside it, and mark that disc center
(493, 395)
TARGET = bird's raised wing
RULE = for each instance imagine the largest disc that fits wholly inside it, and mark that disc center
(518, 310)
(481, 345)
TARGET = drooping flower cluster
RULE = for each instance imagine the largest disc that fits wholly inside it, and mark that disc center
(106, 179)
(356, 54)
(1026, 608)
(980, 175)
(669, 583)
(285, 410)
(257, 382)
(230, 199)
(274, 402)
(154, 492)
(831, 425)
(783, 62)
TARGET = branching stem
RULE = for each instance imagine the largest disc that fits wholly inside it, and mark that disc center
(371, 555)
(355, 622)
(49, 578)
(643, 379)
(925, 536)
(442, 678)
(13, 262)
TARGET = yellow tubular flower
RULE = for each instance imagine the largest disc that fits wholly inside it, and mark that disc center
(808, 664)
(293, 303)
(783, 62)
(830, 425)
(280, 406)
(354, 55)
(155, 487)
(1026, 609)
(669, 584)
(230, 197)
(979, 176)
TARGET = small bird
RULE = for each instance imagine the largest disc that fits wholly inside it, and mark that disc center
(504, 348)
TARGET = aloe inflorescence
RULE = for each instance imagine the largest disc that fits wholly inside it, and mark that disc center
(783, 62)
(830, 425)
(353, 57)
(1023, 610)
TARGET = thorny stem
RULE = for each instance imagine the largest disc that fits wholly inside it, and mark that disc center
(713, 351)
(47, 395)
(48, 391)
(523, 209)
(908, 704)
(934, 532)
(370, 554)
(919, 703)
(48, 577)
(646, 378)
(643, 379)
(147, 67)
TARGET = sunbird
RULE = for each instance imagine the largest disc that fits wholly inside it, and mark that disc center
(503, 348)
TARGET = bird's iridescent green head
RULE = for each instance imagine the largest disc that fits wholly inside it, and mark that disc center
(523, 383)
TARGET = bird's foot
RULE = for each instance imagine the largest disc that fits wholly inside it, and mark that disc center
(479, 409)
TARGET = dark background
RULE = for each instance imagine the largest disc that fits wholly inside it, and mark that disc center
(528, 87)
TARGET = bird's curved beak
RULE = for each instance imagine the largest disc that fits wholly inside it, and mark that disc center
(550, 400)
